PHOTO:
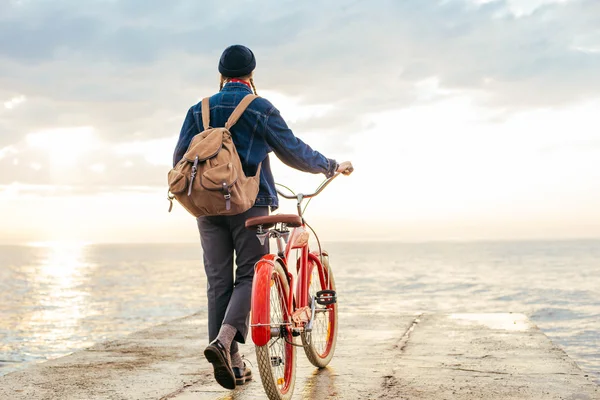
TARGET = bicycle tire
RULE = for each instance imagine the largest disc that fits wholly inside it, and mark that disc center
(319, 345)
(278, 382)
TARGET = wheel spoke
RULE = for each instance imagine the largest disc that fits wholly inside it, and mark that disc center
(276, 345)
(276, 358)
(321, 324)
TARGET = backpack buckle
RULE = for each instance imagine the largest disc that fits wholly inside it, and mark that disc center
(170, 197)
(227, 195)
(193, 175)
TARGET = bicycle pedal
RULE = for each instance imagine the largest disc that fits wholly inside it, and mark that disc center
(326, 297)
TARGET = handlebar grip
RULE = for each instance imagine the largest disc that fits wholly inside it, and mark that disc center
(348, 171)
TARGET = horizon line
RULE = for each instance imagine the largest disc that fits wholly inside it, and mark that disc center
(76, 243)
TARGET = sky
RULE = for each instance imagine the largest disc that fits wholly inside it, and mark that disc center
(464, 119)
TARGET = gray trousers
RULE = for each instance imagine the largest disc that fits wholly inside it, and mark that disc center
(229, 298)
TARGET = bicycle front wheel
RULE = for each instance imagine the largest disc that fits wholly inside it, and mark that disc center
(277, 359)
(319, 344)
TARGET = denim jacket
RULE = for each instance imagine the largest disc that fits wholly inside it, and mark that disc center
(260, 130)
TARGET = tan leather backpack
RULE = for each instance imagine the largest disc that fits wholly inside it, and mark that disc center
(209, 179)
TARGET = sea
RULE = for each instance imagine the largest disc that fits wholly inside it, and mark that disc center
(58, 298)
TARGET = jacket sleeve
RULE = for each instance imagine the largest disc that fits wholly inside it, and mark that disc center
(293, 151)
(188, 131)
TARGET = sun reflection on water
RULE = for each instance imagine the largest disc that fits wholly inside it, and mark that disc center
(60, 277)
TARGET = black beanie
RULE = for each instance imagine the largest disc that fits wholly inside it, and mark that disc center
(237, 60)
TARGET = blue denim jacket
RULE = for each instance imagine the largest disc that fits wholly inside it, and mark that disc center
(260, 130)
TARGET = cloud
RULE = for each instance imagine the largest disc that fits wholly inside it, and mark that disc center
(153, 151)
(14, 102)
(79, 157)
(520, 8)
(130, 69)
(6, 151)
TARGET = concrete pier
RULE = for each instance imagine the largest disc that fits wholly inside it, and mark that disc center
(431, 356)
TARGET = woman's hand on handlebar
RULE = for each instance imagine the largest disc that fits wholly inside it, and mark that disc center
(345, 168)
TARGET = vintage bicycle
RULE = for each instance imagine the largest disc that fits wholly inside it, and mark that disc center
(280, 314)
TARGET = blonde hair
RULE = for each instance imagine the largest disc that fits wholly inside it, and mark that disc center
(249, 78)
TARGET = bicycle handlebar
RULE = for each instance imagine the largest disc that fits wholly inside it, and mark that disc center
(279, 192)
(301, 196)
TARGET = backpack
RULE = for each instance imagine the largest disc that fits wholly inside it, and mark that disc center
(209, 179)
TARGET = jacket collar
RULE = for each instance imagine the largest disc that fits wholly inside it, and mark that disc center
(236, 87)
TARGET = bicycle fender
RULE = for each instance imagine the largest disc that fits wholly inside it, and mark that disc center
(261, 305)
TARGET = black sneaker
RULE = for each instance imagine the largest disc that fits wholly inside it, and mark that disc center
(216, 354)
(242, 375)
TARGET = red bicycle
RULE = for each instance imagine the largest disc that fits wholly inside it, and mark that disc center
(279, 314)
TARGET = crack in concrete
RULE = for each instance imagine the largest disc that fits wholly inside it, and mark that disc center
(182, 389)
(404, 338)
(390, 384)
(478, 371)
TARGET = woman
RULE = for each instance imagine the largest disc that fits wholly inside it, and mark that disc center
(260, 130)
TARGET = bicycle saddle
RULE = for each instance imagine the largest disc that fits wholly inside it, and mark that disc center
(291, 220)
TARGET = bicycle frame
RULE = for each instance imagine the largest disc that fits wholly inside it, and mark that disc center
(298, 298)
(298, 293)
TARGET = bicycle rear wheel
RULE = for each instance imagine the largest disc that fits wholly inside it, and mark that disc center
(277, 359)
(319, 344)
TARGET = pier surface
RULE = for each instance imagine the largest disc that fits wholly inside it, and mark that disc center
(378, 356)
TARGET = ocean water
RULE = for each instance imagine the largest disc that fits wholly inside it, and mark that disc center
(57, 299)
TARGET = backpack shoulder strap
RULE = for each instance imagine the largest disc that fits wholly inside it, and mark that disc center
(239, 110)
(206, 113)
